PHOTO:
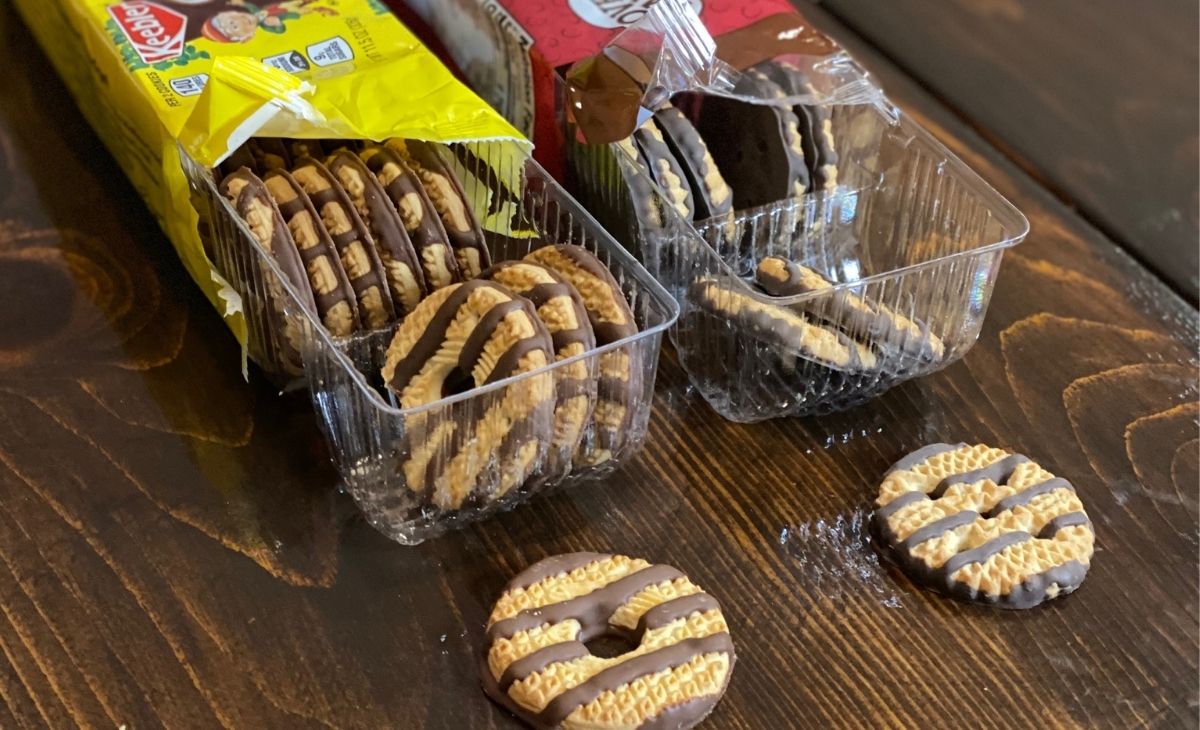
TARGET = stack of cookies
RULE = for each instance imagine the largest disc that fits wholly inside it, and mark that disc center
(375, 230)
(383, 238)
(842, 336)
(708, 170)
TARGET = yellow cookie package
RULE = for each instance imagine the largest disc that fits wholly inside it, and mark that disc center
(165, 81)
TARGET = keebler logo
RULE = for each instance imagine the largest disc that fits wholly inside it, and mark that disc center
(155, 32)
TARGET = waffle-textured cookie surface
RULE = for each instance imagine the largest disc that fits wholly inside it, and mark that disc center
(984, 525)
(465, 336)
(537, 665)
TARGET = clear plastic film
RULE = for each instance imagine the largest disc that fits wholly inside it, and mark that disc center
(670, 50)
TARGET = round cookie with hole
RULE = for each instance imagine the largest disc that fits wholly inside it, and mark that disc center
(549, 655)
(983, 525)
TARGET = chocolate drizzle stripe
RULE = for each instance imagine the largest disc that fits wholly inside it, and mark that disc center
(613, 389)
(592, 609)
(922, 455)
(1025, 497)
(539, 294)
(998, 472)
(614, 677)
(510, 361)
(483, 331)
(321, 198)
(983, 552)
(565, 338)
(345, 238)
(552, 567)
(899, 503)
(326, 301)
(569, 388)
(675, 609)
(292, 207)
(540, 660)
(939, 527)
(1070, 519)
(684, 714)
(433, 335)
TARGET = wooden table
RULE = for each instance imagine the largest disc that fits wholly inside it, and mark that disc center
(173, 551)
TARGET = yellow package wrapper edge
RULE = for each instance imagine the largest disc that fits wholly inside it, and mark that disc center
(393, 87)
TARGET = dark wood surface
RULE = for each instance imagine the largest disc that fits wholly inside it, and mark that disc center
(1099, 100)
(173, 551)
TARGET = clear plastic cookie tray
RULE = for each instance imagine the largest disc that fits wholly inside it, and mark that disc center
(386, 455)
(909, 243)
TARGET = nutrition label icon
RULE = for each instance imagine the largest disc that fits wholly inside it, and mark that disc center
(327, 53)
(293, 62)
(189, 85)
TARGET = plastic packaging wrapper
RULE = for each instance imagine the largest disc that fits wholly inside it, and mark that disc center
(839, 250)
(175, 88)
(171, 82)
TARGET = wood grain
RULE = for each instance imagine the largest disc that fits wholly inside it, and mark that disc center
(1100, 101)
(173, 552)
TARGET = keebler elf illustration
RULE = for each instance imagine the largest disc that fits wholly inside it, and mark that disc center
(236, 21)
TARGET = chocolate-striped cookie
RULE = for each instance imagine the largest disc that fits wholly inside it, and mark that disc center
(249, 197)
(983, 525)
(664, 169)
(353, 242)
(642, 198)
(562, 311)
(537, 665)
(711, 194)
(886, 329)
(619, 372)
(405, 279)
(445, 190)
(461, 337)
(789, 332)
(337, 306)
(420, 218)
(757, 146)
(816, 123)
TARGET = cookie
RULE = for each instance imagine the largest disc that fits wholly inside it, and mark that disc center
(664, 169)
(401, 267)
(787, 331)
(537, 665)
(337, 306)
(253, 204)
(353, 242)
(983, 525)
(757, 146)
(619, 374)
(420, 219)
(445, 191)
(461, 337)
(711, 194)
(298, 148)
(642, 197)
(886, 329)
(270, 153)
(562, 311)
(816, 123)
